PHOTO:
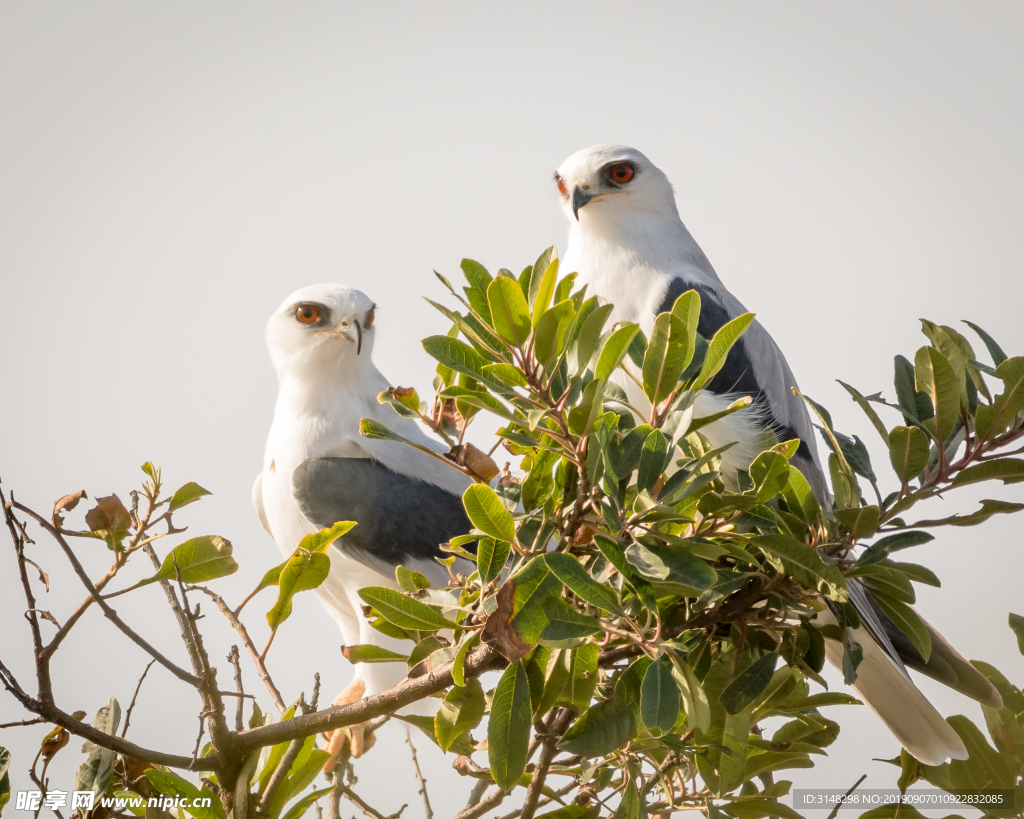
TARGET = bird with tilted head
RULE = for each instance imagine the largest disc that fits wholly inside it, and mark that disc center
(629, 246)
(318, 470)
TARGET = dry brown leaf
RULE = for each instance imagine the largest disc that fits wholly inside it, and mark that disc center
(66, 504)
(498, 630)
(475, 460)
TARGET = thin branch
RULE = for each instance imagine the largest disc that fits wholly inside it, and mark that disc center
(839, 804)
(279, 776)
(357, 800)
(131, 706)
(551, 735)
(240, 706)
(492, 800)
(428, 813)
(261, 668)
(110, 614)
(475, 795)
(36, 721)
(409, 691)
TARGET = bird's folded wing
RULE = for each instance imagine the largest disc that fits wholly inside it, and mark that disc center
(756, 367)
(257, 501)
(400, 517)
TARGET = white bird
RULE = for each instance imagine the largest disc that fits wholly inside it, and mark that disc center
(319, 470)
(629, 246)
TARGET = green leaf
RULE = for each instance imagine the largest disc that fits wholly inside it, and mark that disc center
(934, 376)
(303, 571)
(459, 663)
(908, 452)
(509, 311)
(409, 580)
(507, 374)
(185, 495)
(540, 297)
(508, 729)
(569, 570)
(805, 564)
(549, 337)
(916, 405)
(629, 805)
(573, 812)
(462, 358)
(666, 357)
(590, 335)
(169, 783)
(299, 808)
(885, 580)
(566, 627)
(1007, 470)
(770, 474)
(533, 276)
(491, 557)
(198, 560)
(988, 509)
(371, 654)
(727, 335)
(749, 684)
(653, 458)
(997, 418)
(614, 350)
(860, 521)
(403, 611)
(319, 541)
(687, 311)
(695, 701)
(907, 620)
(604, 728)
(881, 549)
(96, 773)
(659, 697)
(868, 410)
(478, 277)
(462, 710)
(584, 415)
(487, 513)
(1017, 624)
(994, 350)
(581, 676)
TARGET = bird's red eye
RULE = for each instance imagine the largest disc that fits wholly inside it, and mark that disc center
(561, 186)
(370, 317)
(307, 313)
(622, 173)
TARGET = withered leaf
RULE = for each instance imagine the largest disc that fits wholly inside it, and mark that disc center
(66, 504)
(475, 460)
(54, 741)
(109, 519)
(498, 630)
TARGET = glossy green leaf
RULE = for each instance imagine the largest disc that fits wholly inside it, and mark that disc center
(604, 728)
(403, 611)
(805, 563)
(1007, 470)
(907, 620)
(749, 684)
(491, 557)
(934, 376)
(908, 452)
(666, 357)
(614, 350)
(653, 459)
(303, 571)
(549, 337)
(659, 697)
(508, 729)
(570, 572)
(590, 335)
(187, 494)
(487, 513)
(510, 314)
(997, 418)
(721, 344)
(462, 710)
(370, 653)
(540, 296)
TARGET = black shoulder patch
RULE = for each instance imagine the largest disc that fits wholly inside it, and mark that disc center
(737, 374)
(399, 517)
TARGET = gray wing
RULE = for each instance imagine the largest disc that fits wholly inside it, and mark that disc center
(945, 664)
(400, 518)
(756, 367)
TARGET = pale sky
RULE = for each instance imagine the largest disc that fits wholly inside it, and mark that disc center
(170, 172)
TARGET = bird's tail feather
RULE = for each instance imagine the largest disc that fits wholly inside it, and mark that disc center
(892, 695)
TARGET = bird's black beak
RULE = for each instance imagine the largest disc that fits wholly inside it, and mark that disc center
(359, 336)
(579, 199)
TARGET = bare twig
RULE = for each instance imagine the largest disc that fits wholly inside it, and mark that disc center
(428, 813)
(551, 736)
(357, 800)
(475, 795)
(492, 800)
(247, 642)
(839, 804)
(239, 708)
(35, 721)
(131, 706)
(279, 776)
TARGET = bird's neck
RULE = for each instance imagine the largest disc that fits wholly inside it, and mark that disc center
(658, 240)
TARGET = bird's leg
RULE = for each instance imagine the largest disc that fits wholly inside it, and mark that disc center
(353, 735)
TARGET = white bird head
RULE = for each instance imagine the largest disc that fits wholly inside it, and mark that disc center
(607, 183)
(323, 327)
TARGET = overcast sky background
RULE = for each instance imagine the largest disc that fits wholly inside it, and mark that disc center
(170, 172)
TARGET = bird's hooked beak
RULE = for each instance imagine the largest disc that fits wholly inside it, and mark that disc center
(359, 336)
(579, 198)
